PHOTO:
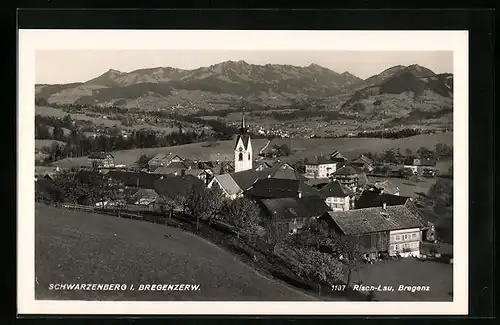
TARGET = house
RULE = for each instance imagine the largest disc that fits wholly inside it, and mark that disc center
(101, 160)
(337, 197)
(350, 177)
(225, 167)
(320, 167)
(204, 175)
(362, 162)
(234, 184)
(160, 160)
(386, 187)
(46, 172)
(227, 184)
(263, 165)
(338, 158)
(418, 165)
(175, 191)
(287, 215)
(394, 230)
(374, 198)
(268, 188)
(142, 200)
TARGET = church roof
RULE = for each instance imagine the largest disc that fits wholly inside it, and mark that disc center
(245, 138)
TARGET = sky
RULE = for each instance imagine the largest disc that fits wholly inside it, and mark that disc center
(66, 66)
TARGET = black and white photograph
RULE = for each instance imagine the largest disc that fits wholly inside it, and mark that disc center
(215, 167)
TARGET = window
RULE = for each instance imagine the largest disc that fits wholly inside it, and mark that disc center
(405, 237)
(240, 157)
(406, 245)
(413, 235)
(398, 238)
(396, 247)
(249, 156)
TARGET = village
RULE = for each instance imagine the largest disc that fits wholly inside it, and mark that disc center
(271, 199)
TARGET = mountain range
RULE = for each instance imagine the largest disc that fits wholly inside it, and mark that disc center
(228, 82)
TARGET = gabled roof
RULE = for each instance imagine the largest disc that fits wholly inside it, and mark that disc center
(378, 219)
(345, 171)
(337, 156)
(245, 138)
(319, 161)
(387, 187)
(172, 187)
(287, 173)
(142, 196)
(228, 184)
(363, 160)
(369, 199)
(333, 189)
(274, 188)
(100, 155)
(161, 157)
(290, 208)
(195, 171)
(246, 178)
(178, 165)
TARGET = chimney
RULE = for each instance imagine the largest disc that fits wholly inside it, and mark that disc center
(384, 205)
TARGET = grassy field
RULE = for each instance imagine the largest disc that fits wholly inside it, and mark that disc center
(49, 111)
(409, 272)
(350, 147)
(78, 247)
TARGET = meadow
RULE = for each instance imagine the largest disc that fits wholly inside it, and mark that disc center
(81, 247)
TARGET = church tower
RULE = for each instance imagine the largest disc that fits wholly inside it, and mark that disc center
(243, 149)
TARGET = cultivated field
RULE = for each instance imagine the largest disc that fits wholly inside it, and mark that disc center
(80, 247)
(409, 272)
(350, 147)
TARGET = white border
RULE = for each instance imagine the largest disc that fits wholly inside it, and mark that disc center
(32, 40)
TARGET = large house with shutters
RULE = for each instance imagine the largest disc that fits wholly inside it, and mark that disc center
(101, 160)
(320, 167)
(393, 230)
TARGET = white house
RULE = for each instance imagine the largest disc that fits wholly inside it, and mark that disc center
(320, 167)
(336, 196)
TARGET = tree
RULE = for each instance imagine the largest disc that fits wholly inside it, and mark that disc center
(244, 215)
(350, 252)
(424, 152)
(408, 152)
(206, 204)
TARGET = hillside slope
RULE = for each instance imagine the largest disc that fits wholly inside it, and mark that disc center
(80, 247)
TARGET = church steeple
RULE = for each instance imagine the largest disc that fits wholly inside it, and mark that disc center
(243, 148)
(243, 126)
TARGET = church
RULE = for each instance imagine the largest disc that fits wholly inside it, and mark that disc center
(243, 149)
